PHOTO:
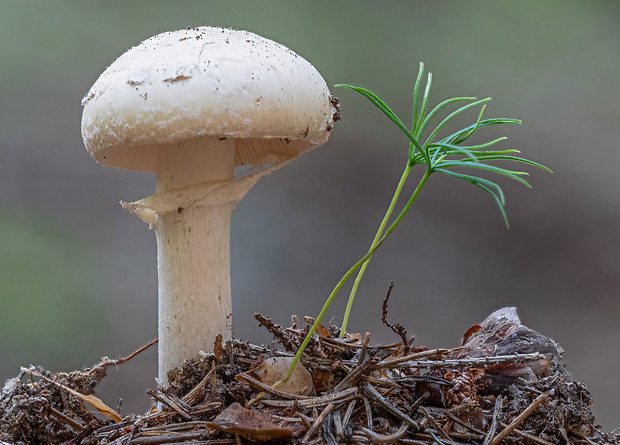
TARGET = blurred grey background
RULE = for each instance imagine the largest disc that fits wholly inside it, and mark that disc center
(78, 273)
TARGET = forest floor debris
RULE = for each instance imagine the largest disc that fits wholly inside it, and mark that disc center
(505, 384)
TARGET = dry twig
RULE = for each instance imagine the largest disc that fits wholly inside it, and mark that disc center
(520, 418)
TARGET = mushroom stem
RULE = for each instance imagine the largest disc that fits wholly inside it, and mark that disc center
(193, 256)
(193, 162)
(193, 252)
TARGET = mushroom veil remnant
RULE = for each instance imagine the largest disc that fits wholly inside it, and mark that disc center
(210, 111)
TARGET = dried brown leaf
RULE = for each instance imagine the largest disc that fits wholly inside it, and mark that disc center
(254, 425)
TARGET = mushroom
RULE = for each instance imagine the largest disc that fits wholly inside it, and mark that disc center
(209, 110)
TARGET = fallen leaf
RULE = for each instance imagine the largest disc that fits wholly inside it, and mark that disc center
(251, 424)
(322, 332)
(274, 369)
(468, 333)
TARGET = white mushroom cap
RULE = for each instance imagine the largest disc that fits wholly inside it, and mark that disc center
(206, 82)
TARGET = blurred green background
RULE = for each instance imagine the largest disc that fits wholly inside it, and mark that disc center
(78, 273)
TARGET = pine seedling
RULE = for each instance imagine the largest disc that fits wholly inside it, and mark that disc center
(448, 155)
